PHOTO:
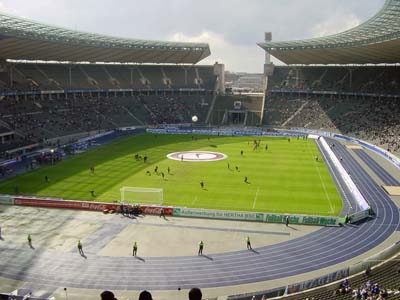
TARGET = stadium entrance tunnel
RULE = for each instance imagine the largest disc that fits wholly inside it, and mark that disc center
(197, 156)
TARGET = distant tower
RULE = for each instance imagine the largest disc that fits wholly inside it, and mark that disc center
(268, 71)
(219, 71)
(268, 65)
(267, 38)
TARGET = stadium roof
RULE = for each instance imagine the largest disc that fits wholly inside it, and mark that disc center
(22, 39)
(374, 41)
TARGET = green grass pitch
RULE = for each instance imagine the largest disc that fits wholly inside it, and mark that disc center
(283, 179)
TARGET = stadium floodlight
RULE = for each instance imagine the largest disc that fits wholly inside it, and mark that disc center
(141, 195)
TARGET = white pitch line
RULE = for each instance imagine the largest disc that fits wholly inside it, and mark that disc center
(320, 177)
(194, 200)
(255, 198)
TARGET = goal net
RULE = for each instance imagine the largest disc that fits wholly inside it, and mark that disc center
(140, 195)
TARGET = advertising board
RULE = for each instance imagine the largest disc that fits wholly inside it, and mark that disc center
(156, 210)
(58, 203)
(254, 216)
(309, 284)
(6, 200)
(217, 214)
(84, 205)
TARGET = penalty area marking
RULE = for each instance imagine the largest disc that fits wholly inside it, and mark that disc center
(197, 156)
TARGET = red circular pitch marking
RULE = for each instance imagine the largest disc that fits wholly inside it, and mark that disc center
(197, 156)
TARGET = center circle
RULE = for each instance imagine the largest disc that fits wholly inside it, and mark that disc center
(197, 156)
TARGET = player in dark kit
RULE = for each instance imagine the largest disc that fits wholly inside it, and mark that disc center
(80, 248)
(156, 169)
(46, 178)
(135, 246)
(201, 247)
(92, 169)
(248, 243)
(245, 179)
(202, 184)
(132, 211)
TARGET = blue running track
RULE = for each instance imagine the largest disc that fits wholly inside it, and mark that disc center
(383, 175)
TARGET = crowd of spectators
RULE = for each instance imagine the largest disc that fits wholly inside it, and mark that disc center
(36, 119)
(361, 79)
(175, 109)
(31, 76)
(366, 291)
(375, 119)
(50, 118)
(280, 108)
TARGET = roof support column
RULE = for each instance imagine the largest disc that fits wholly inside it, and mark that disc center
(69, 77)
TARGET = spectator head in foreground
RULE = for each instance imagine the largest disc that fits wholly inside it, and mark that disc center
(145, 295)
(195, 294)
(107, 295)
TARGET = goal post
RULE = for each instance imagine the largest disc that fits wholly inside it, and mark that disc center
(141, 195)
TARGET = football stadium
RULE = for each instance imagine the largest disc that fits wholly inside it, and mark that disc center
(126, 166)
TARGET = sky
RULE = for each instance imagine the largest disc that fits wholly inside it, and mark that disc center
(231, 27)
